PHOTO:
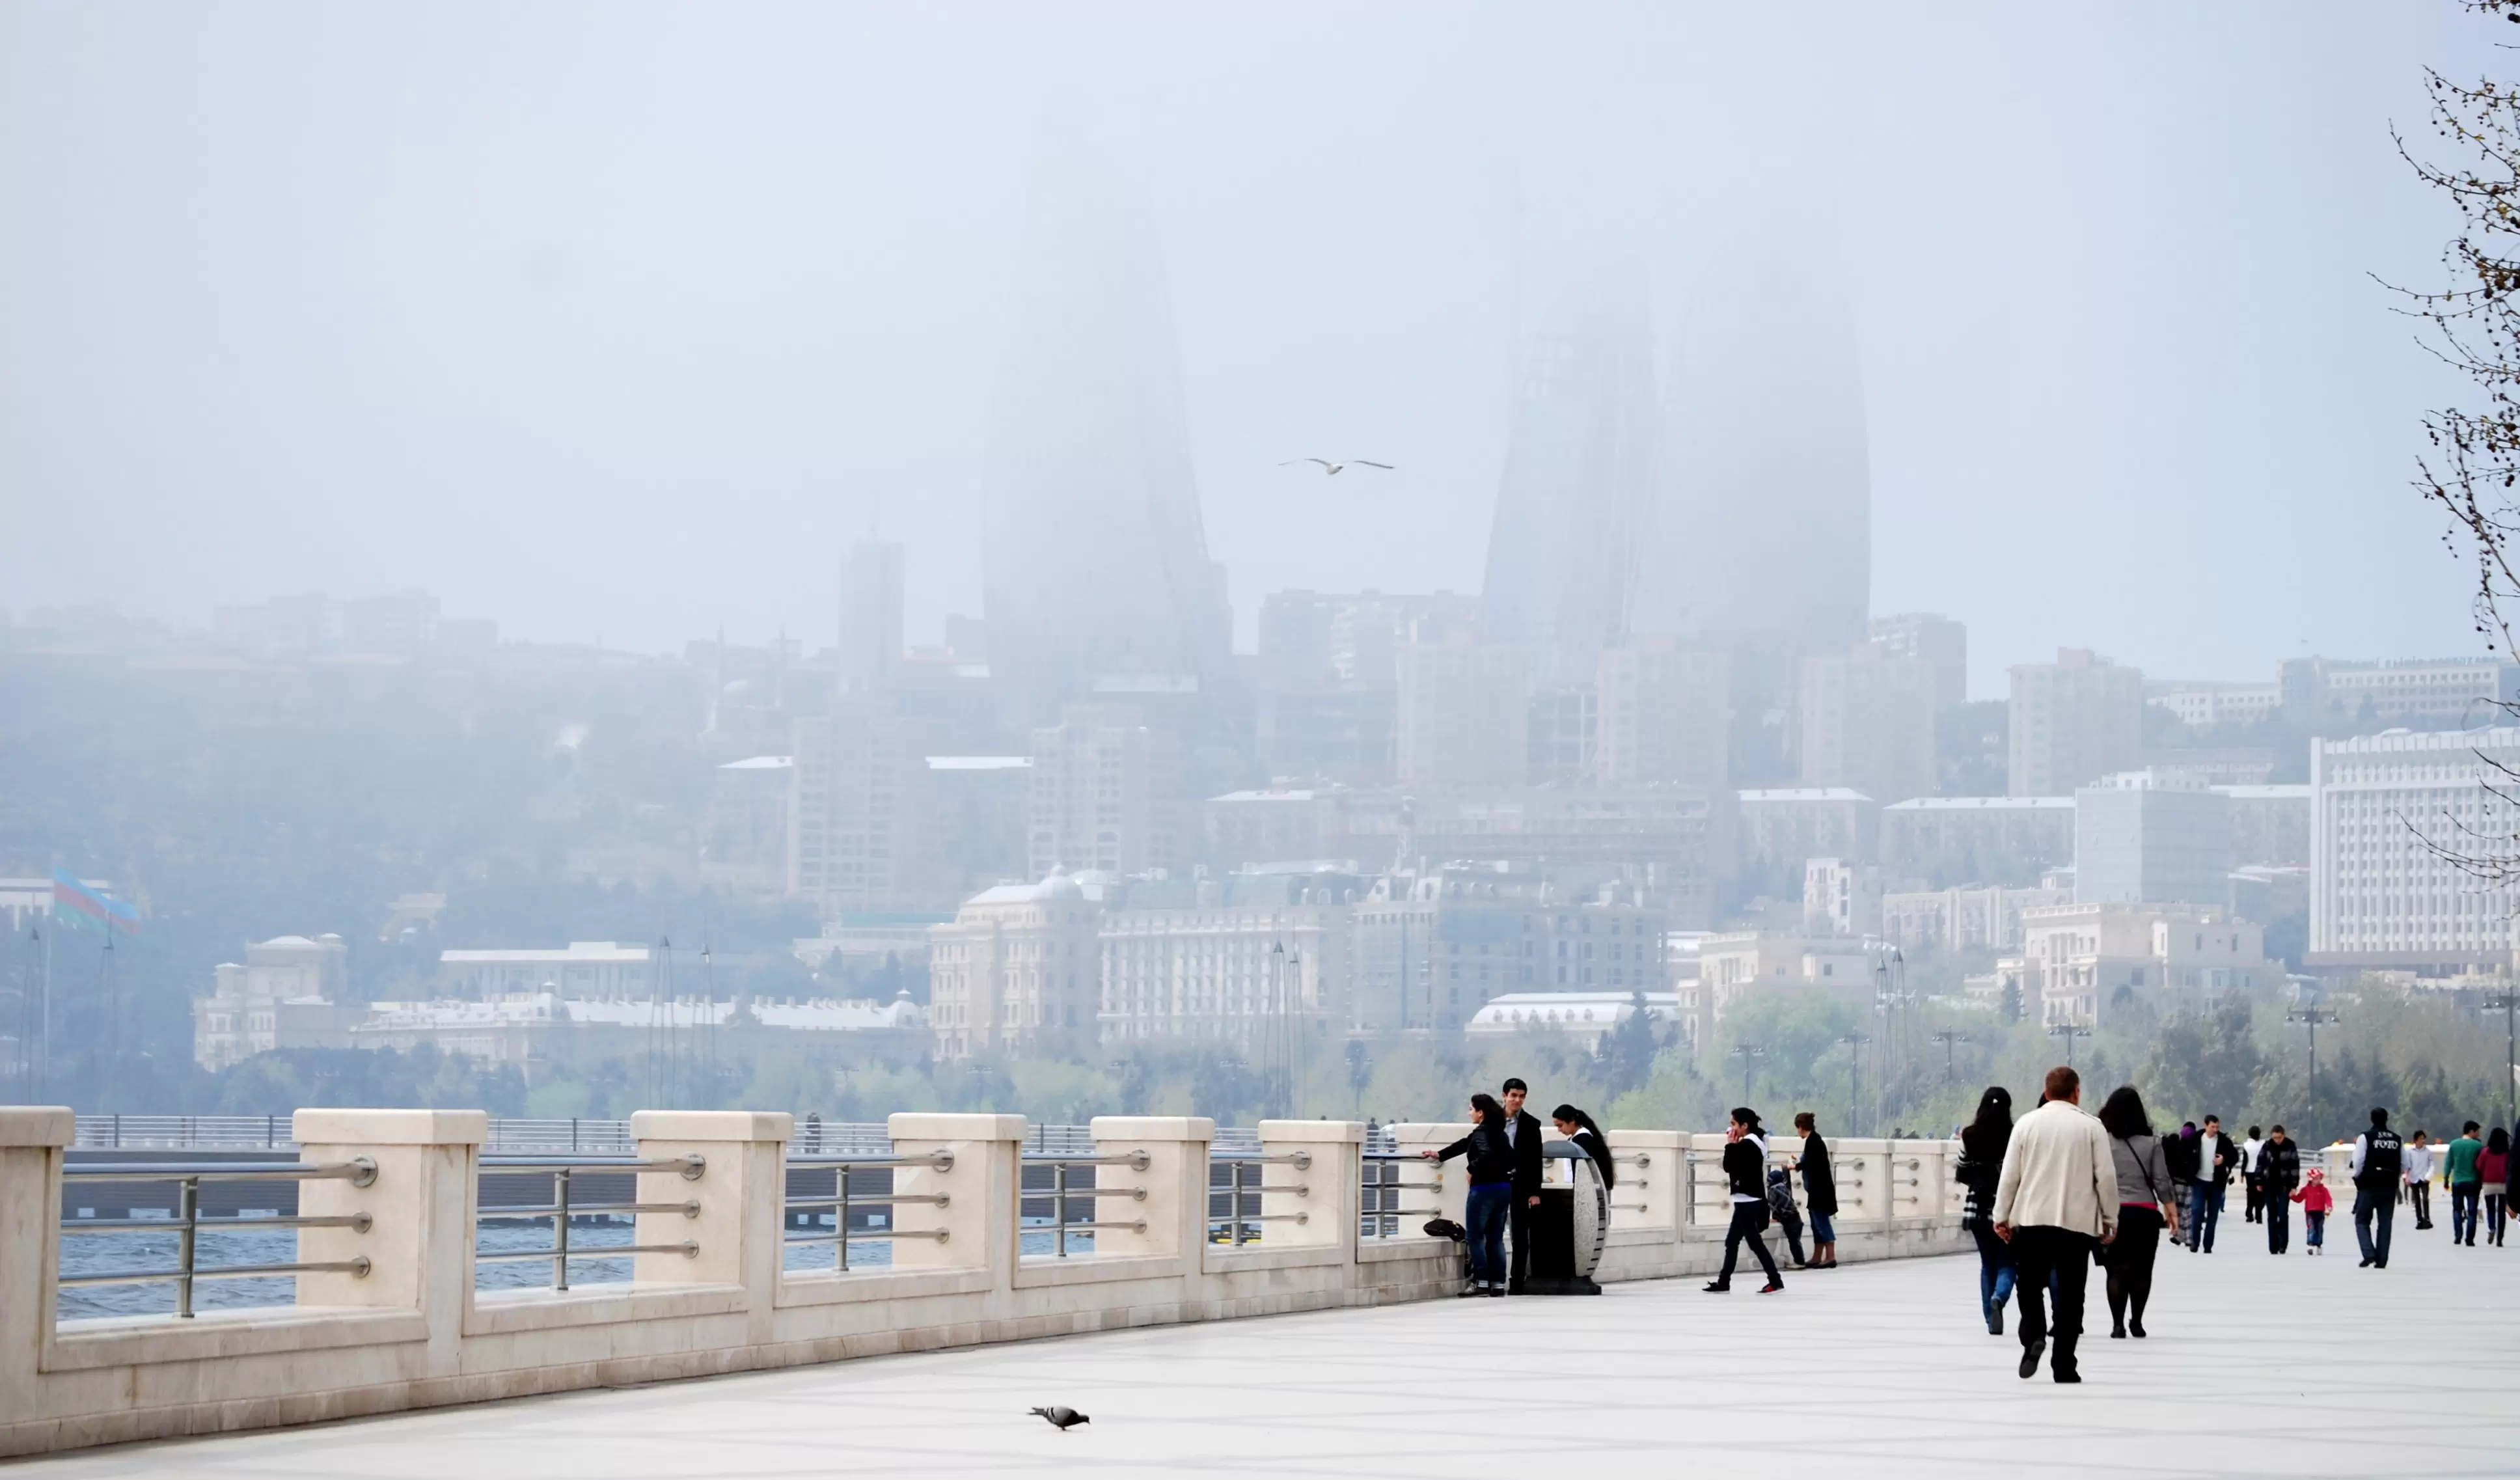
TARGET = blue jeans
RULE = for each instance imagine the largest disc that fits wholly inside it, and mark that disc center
(1995, 1271)
(1484, 1221)
(2204, 1210)
(2368, 1206)
(1823, 1232)
(2462, 1211)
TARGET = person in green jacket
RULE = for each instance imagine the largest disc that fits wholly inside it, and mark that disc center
(2459, 1165)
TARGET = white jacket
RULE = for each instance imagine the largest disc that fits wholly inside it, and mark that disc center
(2057, 1172)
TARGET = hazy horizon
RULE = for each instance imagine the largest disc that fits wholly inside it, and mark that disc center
(620, 321)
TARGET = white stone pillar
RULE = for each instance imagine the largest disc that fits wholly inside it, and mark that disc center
(736, 1196)
(975, 1228)
(1707, 1195)
(1649, 1194)
(1315, 1205)
(31, 1139)
(421, 1208)
(1173, 1209)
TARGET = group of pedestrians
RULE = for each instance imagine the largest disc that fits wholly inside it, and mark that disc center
(1503, 1161)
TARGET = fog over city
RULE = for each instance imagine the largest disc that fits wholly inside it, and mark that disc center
(1274, 560)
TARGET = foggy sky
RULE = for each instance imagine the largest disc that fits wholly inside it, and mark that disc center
(617, 319)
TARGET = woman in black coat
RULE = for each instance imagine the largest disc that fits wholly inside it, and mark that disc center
(1491, 1172)
(1982, 1148)
(1819, 1191)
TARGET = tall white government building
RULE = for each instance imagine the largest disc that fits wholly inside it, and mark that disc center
(2382, 897)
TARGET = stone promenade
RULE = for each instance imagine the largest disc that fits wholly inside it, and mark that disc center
(2256, 1366)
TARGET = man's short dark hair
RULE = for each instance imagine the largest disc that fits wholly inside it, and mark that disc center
(2212, 1120)
(2279, 1129)
(2468, 1129)
(1513, 1085)
(2379, 1117)
(2063, 1082)
(2254, 1133)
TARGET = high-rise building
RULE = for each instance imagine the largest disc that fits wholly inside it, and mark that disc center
(871, 602)
(1867, 722)
(1953, 840)
(2073, 721)
(1759, 541)
(2152, 836)
(1578, 481)
(2392, 818)
(1562, 732)
(1941, 642)
(2421, 691)
(1094, 561)
(860, 829)
(1106, 794)
(1465, 711)
(1018, 972)
(1663, 715)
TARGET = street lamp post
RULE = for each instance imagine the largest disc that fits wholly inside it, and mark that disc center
(2510, 1050)
(1948, 1037)
(1854, 1043)
(1747, 1053)
(2311, 1018)
(2068, 1031)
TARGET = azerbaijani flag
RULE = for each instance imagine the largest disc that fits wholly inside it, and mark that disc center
(70, 894)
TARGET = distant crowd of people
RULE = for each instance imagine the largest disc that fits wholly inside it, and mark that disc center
(2059, 1190)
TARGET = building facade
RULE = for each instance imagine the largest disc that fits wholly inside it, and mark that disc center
(1665, 715)
(1105, 794)
(1018, 972)
(288, 993)
(2152, 836)
(1434, 945)
(861, 835)
(600, 971)
(2391, 818)
(1986, 918)
(1935, 639)
(2073, 721)
(1952, 841)
(2085, 961)
(1251, 974)
(1465, 712)
(1868, 723)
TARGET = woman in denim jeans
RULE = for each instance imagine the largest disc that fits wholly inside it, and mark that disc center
(1982, 1148)
(1491, 1199)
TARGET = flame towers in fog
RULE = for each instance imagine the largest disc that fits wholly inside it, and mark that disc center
(1094, 561)
(1578, 481)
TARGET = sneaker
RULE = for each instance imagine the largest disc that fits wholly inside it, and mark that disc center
(1718, 1286)
(2030, 1352)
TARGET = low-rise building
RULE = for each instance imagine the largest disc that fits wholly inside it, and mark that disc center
(2089, 960)
(1584, 1018)
(1018, 972)
(1733, 966)
(1779, 826)
(1841, 897)
(533, 1031)
(1986, 917)
(1262, 955)
(1948, 840)
(593, 969)
(289, 992)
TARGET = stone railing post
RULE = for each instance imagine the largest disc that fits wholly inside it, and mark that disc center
(975, 1228)
(1650, 1170)
(1706, 1197)
(31, 1140)
(420, 1207)
(737, 1198)
(1316, 1205)
(1451, 1196)
(1173, 1209)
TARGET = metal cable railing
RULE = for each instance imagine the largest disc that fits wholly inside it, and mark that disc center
(188, 1224)
(845, 1200)
(563, 1207)
(1238, 1172)
(1062, 1196)
(1381, 1188)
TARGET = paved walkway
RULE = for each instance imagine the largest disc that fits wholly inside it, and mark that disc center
(2256, 1366)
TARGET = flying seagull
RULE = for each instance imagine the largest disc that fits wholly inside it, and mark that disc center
(1061, 1417)
(1334, 469)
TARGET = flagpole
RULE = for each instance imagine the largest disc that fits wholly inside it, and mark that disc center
(44, 1068)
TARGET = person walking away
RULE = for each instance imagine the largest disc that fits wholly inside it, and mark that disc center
(1819, 1191)
(1575, 1126)
(2279, 1168)
(2458, 1163)
(2249, 1182)
(2419, 1178)
(2144, 1208)
(1745, 1172)
(1782, 1212)
(1490, 1168)
(1522, 1134)
(2377, 1162)
(2316, 1203)
(2216, 1157)
(2493, 1177)
(2055, 1204)
(1981, 1163)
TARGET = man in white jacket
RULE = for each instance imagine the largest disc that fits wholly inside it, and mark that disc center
(2057, 1201)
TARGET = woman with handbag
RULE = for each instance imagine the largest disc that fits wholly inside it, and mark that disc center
(2145, 1209)
(1980, 1167)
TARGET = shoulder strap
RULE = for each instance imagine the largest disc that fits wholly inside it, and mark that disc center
(2143, 1166)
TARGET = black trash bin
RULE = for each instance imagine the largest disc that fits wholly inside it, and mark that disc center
(1570, 1226)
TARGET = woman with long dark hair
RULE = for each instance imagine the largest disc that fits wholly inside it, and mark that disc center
(2146, 1208)
(1491, 1172)
(1980, 1167)
(1575, 1126)
(2493, 1170)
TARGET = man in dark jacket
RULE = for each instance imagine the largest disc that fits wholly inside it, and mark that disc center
(2216, 1159)
(2279, 1170)
(1522, 1132)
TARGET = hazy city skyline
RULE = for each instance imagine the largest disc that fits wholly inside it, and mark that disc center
(624, 331)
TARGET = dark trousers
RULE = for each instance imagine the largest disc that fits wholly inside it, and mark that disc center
(2060, 1257)
(2204, 1210)
(2372, 1207)
(1483, 1220)
(2257, 1200)
(2129, 1256)
(2423, 1194)
(2279, 1221)
(1793, 1232)
(2493, 1218)
(1748, 1218)
(2462, 1211)
(1521, 1219)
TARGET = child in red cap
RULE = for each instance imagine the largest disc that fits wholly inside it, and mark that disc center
(2316, 1201)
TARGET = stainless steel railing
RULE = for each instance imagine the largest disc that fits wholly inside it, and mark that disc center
(563, 1207)
(188, 1222)
(1062, 1196)
(844, 1200)
(1381, 1188)
(1240, 1174)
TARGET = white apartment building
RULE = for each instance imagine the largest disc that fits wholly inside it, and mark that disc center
(2202, 705)
(2383, 810)
(287, 994)
(1986, 917)
(1105, 794)
(1841, 897)
(860, 832)
(1779, 826)
(1957, 839)
(2455, 691)
(2156, 835)
(2269, 823)
(1226, 975)
(1018, 972)
(1867, 722)
(600, 970)
(2085, 961)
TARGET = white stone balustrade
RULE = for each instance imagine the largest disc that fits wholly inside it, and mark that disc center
(414, 1332)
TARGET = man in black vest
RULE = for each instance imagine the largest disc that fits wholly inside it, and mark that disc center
(2378, 1157)
(1522, 1133)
